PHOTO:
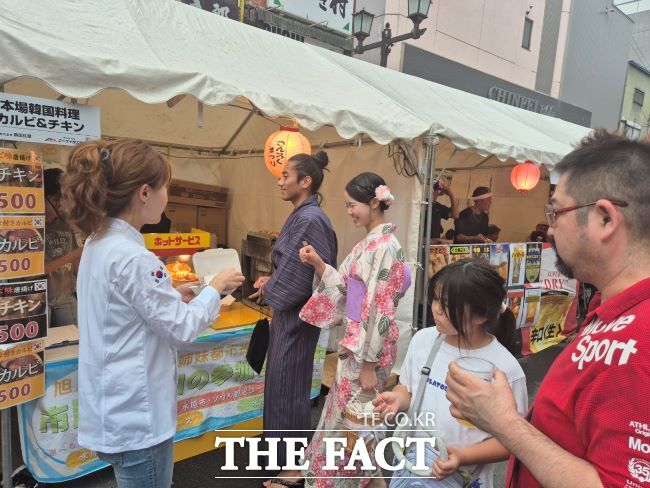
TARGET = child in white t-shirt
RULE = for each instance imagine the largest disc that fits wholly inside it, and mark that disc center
(466, 300)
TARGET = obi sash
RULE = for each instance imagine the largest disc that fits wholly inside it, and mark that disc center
(356, 294)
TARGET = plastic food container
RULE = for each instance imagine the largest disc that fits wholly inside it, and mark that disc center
(211, 262)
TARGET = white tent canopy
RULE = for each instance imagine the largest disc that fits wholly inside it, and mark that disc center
(157, 49)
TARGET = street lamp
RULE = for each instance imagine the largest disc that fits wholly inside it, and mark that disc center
(362, 24)
(418, 10)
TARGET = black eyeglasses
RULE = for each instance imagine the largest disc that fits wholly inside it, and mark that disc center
(552, 213)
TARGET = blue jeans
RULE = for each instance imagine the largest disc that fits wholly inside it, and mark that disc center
(151, 467)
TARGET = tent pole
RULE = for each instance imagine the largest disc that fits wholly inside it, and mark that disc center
(6, 449)
(428, 169)
(236, 133)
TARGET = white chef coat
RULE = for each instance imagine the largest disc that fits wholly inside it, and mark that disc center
(130, 321)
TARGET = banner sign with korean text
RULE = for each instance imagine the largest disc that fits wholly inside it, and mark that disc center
(21, 182)
(23, 311)
(21, 246)
(216, 389)
(538, 294)
(334, 14)
(41, 120)
(22, 373)
(48, 429)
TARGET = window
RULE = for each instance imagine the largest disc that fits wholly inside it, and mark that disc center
(638, 97)
(528, 32)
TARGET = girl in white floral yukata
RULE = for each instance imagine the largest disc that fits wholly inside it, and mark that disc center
(362, 296)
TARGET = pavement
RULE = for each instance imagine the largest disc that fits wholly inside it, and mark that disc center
(204, 470)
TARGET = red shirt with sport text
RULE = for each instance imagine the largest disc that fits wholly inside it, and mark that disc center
(594, 400)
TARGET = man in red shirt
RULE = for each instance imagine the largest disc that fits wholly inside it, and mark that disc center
(590, 424)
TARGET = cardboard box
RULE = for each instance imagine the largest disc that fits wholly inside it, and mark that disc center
(215, 221)
(182, 216)
(198, 194)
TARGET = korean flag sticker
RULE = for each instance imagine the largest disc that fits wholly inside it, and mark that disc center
(158, 275)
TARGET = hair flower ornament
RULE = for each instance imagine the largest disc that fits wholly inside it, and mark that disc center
(383, 194)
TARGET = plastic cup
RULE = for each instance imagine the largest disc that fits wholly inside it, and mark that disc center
(481, 368)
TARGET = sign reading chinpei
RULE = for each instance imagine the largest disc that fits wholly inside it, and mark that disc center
(334, 14)
(41, 120)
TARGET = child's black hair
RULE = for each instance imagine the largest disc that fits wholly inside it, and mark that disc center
(473, 288)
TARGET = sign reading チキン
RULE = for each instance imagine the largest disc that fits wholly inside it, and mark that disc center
(21, 182)
(23, 311)
(22, 246)
(47, 121)
(335, 14)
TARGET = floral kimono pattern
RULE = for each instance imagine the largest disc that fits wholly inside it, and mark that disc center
(375, 277)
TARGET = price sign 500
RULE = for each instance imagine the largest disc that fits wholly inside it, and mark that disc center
(17, 202)
(18, 332)
(15, 394)
(23, 264)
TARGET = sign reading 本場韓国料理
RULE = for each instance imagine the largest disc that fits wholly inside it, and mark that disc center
(41, 120)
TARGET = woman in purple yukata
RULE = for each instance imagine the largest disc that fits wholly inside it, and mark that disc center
(292, 342)
(362, 295)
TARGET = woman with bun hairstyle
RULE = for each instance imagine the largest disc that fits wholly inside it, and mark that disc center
(130, 318)
(292, 343)
(362, 296)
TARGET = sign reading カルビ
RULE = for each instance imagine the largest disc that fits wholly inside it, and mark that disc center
(50, 121)
(22, 246)
(22, 373)
(23, 311)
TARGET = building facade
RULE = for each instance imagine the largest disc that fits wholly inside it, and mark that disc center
(635, 110)
(564, 58)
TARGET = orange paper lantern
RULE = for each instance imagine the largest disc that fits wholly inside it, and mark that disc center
(281, 146)
(525, 176)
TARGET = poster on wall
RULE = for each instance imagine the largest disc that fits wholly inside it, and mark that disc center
(22, 373)
(23, 311)
(21, 182)
(438, 259)
(499, 258)
(22, 246)
(29, 119)
(533, 261)
(335, 14)
(517, 271)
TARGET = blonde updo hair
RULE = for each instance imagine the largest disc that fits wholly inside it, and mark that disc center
(102, 177)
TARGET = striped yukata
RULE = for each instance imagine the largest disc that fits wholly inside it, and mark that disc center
(292, 343)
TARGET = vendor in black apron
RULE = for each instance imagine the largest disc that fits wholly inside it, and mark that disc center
(472, 224)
